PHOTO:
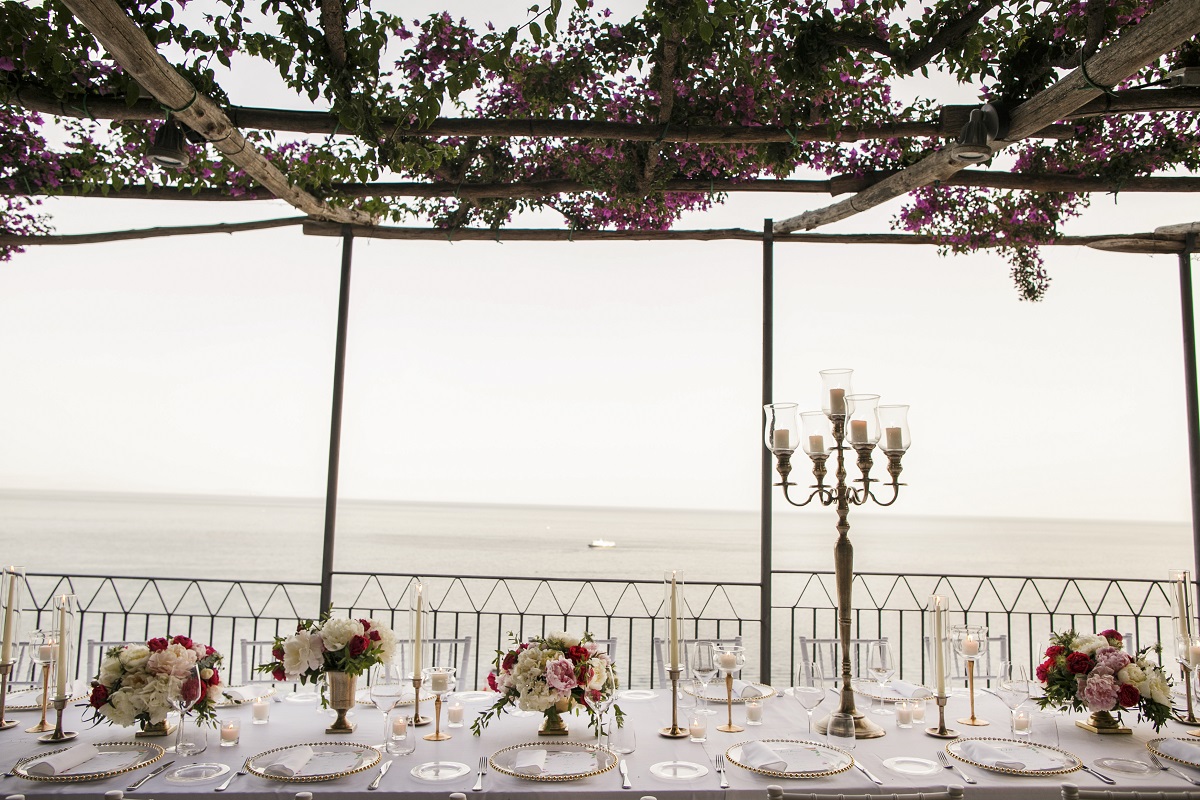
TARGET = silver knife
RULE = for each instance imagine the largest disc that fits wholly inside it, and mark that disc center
(625, 784)
(137, 784)
(867, 772)
(383, 768)
(1099, 775)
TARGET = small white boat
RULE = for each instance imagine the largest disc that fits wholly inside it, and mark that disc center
(602, 543)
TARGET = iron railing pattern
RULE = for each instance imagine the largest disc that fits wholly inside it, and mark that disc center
(489, 608)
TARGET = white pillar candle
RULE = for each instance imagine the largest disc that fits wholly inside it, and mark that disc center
(674, 635)
(698, 728)
(904, 714)
(727, 661)
(63, 666)
(46, 652)
(230, 730)
(262, 711)
(754, 711)
(1194, 654)
(455, 712)
(939, 644)
(782, 439)
(858, 430)
(918, 709)
(970, 647)
(399, 726)
(816, 444)
(417, 631)
(1184, 622)
(439, 681)
(1022, 721)
(10, 614)
(893, 438)
(837, 401)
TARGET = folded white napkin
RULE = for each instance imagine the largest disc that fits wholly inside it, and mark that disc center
(761, 755)
(244, 694)
(1008, 756)
(746, 689)
(906, 689)
(61, 762)
(529, 762)
(288, 763)
(1177, 748)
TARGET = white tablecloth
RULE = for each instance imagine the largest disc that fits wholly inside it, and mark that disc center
(296, 722)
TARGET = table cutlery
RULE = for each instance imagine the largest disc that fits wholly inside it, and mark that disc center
(383, 768)
(137, 784)
(478, 787)
(720, 763)
(621, 765)
(942, 757)
(867, 772)
(228, 780)
(1154, 760)
(1099, 775)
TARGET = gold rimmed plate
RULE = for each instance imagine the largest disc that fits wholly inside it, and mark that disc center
(553, 761)
(329, 761)
(249, 693)
(1032, 758)
(803, 758)
(873, 691)
(114, 758)
(1156, 746)
(717, 693)
(31, 700)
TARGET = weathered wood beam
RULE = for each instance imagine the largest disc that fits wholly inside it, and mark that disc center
(137, 56)
(951, 119)
(148, 233)
(1166, 27)
(1180, 230)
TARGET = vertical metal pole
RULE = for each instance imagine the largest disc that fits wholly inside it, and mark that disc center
(768, 376)
(1186, 301)
(335, 423)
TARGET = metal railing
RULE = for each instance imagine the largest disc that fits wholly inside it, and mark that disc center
(490, 608)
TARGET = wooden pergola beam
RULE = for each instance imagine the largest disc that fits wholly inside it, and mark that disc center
(148, 233)
(131, 49)
(1163, 29)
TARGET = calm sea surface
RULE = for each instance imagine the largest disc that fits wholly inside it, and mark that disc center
(280, 539)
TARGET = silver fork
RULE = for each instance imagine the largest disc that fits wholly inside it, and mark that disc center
(1154, 760)
(719, 760)
(478, 787)
(946, 763)
(229, 780)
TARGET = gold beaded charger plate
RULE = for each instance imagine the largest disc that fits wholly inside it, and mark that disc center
(886, 694)
(1155, 746)
(804, 759)
(329, 761)
(717, 693)
(363, 698)
(31, 700)
(113, 758)
(562, 761)
(251, 692)
(1034, 759)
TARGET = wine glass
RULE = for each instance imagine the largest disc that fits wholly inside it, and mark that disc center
(386, 690)
(882, 667)
(809, 690)
(183, 693)
(1013, 687)
(608, 696)
(704, 668)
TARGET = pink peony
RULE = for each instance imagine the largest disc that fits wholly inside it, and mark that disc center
(1100, 692)
(560, 675)
(1111, 657)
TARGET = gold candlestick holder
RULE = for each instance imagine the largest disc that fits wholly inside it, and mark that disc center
(729, 727)
(437, 735)
(941, 731)
(417, 719)
(6, 667)
(674, 732)
(972, 720)
(43, 726)
(58, 735)
(1186, 671)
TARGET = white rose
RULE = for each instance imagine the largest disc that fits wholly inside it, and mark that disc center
(1157, 688)
(564, 637)
(387, 640)
(599, 674)
(302, 652)
(110, 671)
(337, 633)
(206, 674)
(120, 710)
(1089, 643)
(134, 656)
(1133, 674)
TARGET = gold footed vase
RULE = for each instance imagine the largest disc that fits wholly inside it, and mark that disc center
(553, 724)
(151, 729)
(1102, 722)
(341, 688)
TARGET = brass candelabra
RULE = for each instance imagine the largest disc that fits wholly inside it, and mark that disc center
(860, 416)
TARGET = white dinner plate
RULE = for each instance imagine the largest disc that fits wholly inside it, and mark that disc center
(907, 765)
(678, 770)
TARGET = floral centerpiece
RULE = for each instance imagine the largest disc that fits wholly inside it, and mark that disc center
(337, 648)
(554, 675)
(135, 681)
(1090, 672)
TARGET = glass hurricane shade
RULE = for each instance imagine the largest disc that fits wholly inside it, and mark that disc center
(862, 418)
(673, 614)
(835, 385)
(893, 421)
(781, 431)
(969, 641)
(730, 657)
(817, 431)
(1183, 623)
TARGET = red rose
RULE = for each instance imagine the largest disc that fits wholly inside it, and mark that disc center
(279, 675)
(1043, 670)
(157, 645)
(358, 645)
(99, 695)
(1128, 695)
(1079, 663)
(492, 682)
(277, 653)
(366, 624)
(183, 640)
(215, 680)
(509, 661)
(209, 650)
(374, 636)
(1055, 650)
(577, 654)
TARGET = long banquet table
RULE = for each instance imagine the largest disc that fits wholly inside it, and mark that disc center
(293, 722)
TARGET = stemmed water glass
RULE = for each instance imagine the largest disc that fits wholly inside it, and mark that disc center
(809, 690)
(704, 668)
(183, 693)
(387, 689)
(1013, 687)
(608, 696)
(882, 667)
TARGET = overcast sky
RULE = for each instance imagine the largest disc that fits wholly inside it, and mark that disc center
(622, 374)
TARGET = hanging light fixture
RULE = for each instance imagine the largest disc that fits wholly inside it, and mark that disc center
(169, 148)
(975, 140)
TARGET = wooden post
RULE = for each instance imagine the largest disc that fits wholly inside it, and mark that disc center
(766, 465)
